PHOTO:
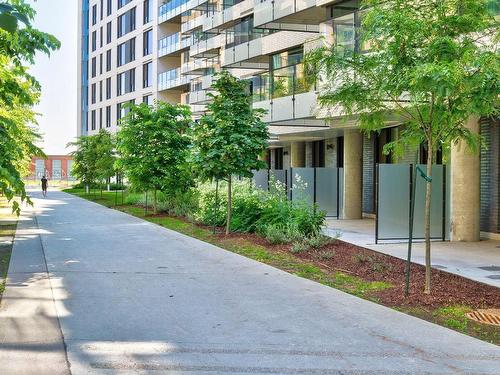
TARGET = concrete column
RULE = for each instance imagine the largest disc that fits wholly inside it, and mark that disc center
(353, 172)
(465, 190)
(298, 154)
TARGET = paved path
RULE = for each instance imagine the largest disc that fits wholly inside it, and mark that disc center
(95, 291)
(478, 261)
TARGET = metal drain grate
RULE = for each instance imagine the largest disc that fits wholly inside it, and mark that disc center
(491, 316)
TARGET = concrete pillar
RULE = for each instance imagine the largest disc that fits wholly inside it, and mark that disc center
(298, 154)
(465, 190)
(353, 172)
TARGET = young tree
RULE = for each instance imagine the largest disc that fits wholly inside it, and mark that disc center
(19, 92)
(431, 63)
(105, 156)
(85, 158)
(230, 138)
(153, 144)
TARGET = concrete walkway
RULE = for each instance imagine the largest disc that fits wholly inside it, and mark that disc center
(95, 291)
(478, 261)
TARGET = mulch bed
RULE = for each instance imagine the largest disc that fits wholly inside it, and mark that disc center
(447, 289)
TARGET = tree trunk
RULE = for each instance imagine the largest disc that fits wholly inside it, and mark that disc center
(87, 189)
(229, 205)
(427, 232)
(216, 207)
(154, 202)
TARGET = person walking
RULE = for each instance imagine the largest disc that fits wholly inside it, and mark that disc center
(44, 186)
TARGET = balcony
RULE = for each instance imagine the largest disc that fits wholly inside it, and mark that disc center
(175, 8)
(172, 79)
(286, 93)
(253, 54)
(208, 47)
(296, 15)
(224, 18)
(192, 23)
(172, 44)
(200, 67)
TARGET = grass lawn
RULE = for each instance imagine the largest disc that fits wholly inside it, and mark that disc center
(452, 316)
(8, 223)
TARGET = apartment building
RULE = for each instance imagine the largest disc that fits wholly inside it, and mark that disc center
(142, 50)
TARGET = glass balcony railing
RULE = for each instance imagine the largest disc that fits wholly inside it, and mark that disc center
(172, 43)
(171, 9)
(172, 78)
(286, 81)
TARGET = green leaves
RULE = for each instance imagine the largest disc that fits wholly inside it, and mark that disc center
(231, 137)
(19, 92)
(153, 143)
(431, 63)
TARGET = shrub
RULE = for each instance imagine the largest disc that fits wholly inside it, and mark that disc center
(318, 241)
(277, 234)
(325, 254)
(300, 247)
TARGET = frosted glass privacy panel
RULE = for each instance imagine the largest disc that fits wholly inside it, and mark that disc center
(437, 202)
(327, 194)
(393, 201)
(278, 176)
(260, 179)
(302, 183)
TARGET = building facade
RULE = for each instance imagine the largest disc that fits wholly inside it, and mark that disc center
(54, 167)
(145, 50)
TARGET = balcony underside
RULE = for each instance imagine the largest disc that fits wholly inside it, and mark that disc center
(293, 15)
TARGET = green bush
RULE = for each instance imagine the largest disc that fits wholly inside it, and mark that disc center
(280, 234)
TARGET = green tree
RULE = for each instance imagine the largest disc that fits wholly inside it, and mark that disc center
(85, 159)
(104, 144)
(431, 63)
(153, 144)
(229, 139)
(19, 92)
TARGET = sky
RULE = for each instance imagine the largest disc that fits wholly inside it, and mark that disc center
(57, 74)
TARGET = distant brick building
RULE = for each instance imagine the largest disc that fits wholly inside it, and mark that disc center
(55, 167)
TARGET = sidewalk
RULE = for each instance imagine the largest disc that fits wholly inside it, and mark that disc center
(478, 261)
(97, 291)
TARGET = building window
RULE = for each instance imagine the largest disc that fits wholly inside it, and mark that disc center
(122, 3)
(126, 52)
(101, 37)
(94, 14)
(94, 40)
(100, 63)
(126, 22)
(147, 75)
(147, 99)
(108, 32)
(148, 11)
(93, 93)
(108, 116)
(92, 120)
(100, 118)
(148, 42)
(122, 110)
(108, 60)
(100, 91)
(93, 68)
(109, 8)
(108, 88)
(102, 9)
(125, 82)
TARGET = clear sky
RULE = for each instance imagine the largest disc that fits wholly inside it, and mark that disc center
(57, 74)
